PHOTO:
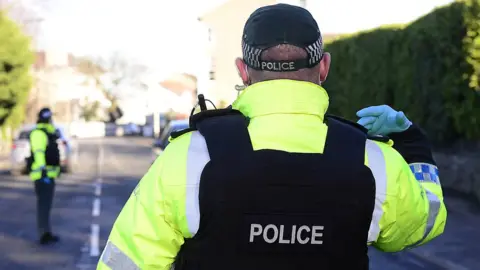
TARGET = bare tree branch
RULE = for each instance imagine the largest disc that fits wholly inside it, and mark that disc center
(122, 71)
(26, 13)
(110, 74)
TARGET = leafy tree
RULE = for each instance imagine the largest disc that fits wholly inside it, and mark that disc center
(429, 68)
(16, 58)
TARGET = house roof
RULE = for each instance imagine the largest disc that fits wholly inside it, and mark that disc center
(230, 4)
(215, 10)
(179, 83)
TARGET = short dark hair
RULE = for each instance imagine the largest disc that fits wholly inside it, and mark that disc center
(285, 52)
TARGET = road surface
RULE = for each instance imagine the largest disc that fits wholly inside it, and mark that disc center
(88, 201)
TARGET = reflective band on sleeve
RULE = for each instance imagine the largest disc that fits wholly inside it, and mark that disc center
(39, 151)
(114, 258)
(425, 172)
(197, 158)
(376, 163)
(39, 169)
(433, 209)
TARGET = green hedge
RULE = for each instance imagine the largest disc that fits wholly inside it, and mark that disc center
(430, 69)
(16, 59)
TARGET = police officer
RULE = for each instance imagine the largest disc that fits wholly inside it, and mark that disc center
(44, 164)
(274, 183)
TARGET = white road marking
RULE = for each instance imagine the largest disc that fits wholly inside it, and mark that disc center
(96, 207)
(98, 189)
(100, 160)
(95, 228)
(94, 240)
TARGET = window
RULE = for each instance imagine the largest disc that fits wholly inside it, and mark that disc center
(210, 35)
(211, 38)
(212, 68)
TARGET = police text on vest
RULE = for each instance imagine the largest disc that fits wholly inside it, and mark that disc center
(278, 234)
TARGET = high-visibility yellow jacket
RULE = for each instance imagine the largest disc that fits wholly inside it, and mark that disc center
(284, 115)
(38, 144)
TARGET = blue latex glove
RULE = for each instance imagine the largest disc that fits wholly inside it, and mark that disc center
(46, 180)
(383, 120)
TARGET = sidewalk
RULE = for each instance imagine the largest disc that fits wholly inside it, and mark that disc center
(4, 162)
(5, 148)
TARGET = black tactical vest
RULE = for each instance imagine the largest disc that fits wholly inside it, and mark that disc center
(52, 152)
(270, 209)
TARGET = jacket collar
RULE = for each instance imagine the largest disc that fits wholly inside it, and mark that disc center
(282, 97)
(48, 127)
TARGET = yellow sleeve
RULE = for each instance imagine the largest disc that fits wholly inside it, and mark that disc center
(145, 235)
(409, 206)
(38, 143)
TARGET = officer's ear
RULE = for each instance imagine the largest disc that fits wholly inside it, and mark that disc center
(324, 67)
(242, 70)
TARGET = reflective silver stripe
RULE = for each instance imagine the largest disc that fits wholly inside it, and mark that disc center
(50, 169)
(39, 151)
(433, 209)
(39, 169)
(196, 160)
(114, 258)
(376, 163)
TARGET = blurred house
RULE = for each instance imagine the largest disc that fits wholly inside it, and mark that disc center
(133, 102)
(59, 85)
(174, 95)
(225, 26)
(184, 86)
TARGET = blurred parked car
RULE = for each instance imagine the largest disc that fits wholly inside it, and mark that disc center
(21, 151)
(132, 129)
(161, 143)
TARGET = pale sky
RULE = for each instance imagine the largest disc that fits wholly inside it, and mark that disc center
(160, 32)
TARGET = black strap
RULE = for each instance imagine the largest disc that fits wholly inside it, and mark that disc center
(178, 133)
(342, 137)
(226, 136)
(199, 117)
(345, 121)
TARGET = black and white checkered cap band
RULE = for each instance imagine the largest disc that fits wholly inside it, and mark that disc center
(252, 55)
